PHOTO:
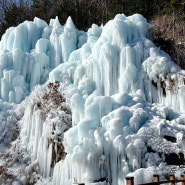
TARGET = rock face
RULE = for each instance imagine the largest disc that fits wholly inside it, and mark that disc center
(175, 159)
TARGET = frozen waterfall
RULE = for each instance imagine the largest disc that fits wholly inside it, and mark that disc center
(121, 90)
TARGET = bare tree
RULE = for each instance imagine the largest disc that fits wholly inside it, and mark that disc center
(12, 12)
(3, 6)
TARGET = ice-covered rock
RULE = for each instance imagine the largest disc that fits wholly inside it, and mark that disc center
(110, 76)
(124, 69)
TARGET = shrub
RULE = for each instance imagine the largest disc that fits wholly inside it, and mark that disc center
(56, 114)
(53, 95)
(52, 98)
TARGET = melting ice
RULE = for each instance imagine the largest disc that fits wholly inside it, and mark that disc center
(122, 91)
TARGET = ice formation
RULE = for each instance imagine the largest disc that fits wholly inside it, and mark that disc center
(115, 73)
(29, 51)
(122, 91)
(45, 122)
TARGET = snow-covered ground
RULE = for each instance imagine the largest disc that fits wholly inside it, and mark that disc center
(110, 104)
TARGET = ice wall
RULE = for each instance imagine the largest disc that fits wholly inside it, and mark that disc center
(120, 58)
(116, 61)
(109, 82)
(29, 51)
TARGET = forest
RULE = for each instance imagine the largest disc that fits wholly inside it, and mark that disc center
(83, 12)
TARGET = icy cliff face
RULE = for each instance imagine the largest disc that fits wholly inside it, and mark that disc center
(109, 83)
(29, 51)
(113, 75)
